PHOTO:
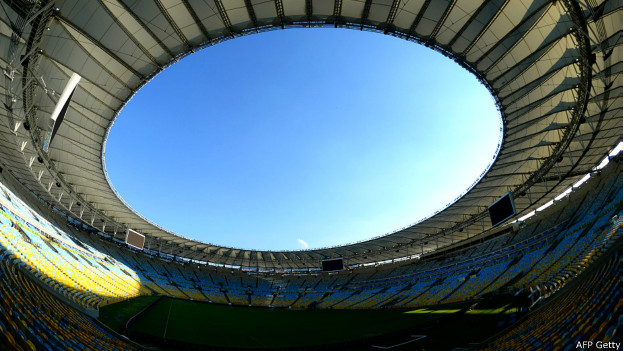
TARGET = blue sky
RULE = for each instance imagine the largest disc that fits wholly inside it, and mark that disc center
(301, 138)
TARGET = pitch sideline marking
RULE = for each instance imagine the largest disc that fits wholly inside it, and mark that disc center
(416, 337)
(167, 322)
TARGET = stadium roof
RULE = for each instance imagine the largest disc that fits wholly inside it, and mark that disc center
(553, 67)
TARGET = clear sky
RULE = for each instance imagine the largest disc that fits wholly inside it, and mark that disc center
(302, 138)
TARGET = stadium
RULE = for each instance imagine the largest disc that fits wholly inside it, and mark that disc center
(528, 258)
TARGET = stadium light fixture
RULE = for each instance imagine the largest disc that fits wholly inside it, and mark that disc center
(60, 110)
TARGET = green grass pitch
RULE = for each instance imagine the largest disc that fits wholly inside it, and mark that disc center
(116, 315)
(234, 326)
(268, 328)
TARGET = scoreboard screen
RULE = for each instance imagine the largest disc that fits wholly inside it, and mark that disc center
(332, 265)
(135, 239)
(502, 209)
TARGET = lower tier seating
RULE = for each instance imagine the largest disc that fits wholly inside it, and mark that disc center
(32, 319)
(590, 310)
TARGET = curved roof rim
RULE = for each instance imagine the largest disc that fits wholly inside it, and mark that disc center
(413, 38)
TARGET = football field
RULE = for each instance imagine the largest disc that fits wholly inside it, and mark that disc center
(192, 322)
(234, 326)
(244, 327)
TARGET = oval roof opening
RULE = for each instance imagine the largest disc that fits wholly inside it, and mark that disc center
(302, 139)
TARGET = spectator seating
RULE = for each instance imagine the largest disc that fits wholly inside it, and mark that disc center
(590, 310)
(31, 319)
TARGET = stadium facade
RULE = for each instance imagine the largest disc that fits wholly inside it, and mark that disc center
(554, 69)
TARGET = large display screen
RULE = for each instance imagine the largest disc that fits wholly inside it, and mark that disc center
(335, 264)
(135, 239)
(502, 209)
